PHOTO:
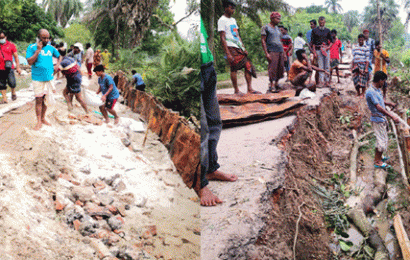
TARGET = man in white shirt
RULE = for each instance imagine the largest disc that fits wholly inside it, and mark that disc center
(232, 45)
(299, 42)
(89, 59)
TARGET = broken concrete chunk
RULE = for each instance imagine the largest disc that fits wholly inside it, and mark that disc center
(105, 198)
(126, 142)
(119, 185)
(110, 180)
(86, 169)
(83, 193)
(102, 250)
(115, 223)
(141, 201)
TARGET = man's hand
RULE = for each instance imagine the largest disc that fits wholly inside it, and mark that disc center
(327, 72)
(230, 59)
(396, 120)
(18, 70)
(39, 45)
(268, 58)
(246, 52)
(103, 98)
(54, 91)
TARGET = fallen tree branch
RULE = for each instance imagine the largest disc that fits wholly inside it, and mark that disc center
(353, 160)
(297, 231)
(401, 160)
(365, 135)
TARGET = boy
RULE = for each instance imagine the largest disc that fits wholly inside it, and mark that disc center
(110, 93)
(335, 55)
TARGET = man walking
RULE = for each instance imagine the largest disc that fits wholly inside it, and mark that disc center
(377, 107)
(381, 56)
(7, 51)
(211, 127)
(89, 59)
(232, 45)
(40, 56)
(272, 46)
(76, 54)
(360, 65)
(321, 43)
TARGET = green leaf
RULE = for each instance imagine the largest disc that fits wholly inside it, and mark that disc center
(345, 245)
(369, 251)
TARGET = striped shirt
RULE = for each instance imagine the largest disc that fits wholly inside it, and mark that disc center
(361, 54)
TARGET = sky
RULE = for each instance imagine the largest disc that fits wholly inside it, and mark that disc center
(347, 5)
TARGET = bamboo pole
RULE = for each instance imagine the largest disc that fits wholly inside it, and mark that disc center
(403, 170)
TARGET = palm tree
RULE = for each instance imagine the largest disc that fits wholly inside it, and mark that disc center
(389, 11)
(121, 16)
(63, 10)
(334, 6)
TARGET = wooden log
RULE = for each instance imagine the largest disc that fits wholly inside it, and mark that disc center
(402, 237)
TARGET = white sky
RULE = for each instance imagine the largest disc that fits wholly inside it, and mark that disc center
(347, 5)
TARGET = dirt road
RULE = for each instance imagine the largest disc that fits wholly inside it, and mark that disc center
(80, 190)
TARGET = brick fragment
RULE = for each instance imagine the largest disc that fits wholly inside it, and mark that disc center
(59, 205)
(77, 224)
(99, 185)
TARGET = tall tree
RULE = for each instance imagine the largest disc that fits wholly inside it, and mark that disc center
(334, 6)
(63, 10)
(389, 11)
(351, 19)
(118, 16)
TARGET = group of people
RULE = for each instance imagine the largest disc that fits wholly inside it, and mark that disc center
(324, 46)
(46, 60)
(325, 55)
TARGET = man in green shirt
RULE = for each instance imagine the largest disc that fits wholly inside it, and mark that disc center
(211, 127)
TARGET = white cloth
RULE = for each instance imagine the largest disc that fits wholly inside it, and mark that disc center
(229, 26)
(382, 139)
(89, 55)
(299, 43)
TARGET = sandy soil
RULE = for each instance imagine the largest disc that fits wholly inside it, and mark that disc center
(80, 166)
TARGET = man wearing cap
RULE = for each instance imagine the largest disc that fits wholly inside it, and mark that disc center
(232, 45)
(7, 51)
(272, 46)
(369, 42)
(321, 44)
(40, 56)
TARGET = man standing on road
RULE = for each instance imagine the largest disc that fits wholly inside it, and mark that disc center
(299, 42)
(232, 45)
(321, 43)
(377, 107)
(360, 66)
(211, 127)
(40, 56)
(272, 46)
(89, 59)
(77, 54)
(7, 51)
(110, 94)
(313, 24)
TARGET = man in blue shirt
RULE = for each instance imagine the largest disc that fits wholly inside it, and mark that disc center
(110, 93)
(377, 107)
(138, 81)
(40, 56)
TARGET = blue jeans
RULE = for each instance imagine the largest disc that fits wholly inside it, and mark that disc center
(211, 123)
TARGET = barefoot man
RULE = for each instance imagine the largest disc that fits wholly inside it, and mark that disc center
(110, 93)
(211, 127)
(40, 56)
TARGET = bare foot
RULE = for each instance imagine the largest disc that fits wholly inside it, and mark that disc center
(208, 198)
(38, 126)
(220, 176)
(116, 120)
(239, 93)
(107, 121)
(70, 106)
(45, 122)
